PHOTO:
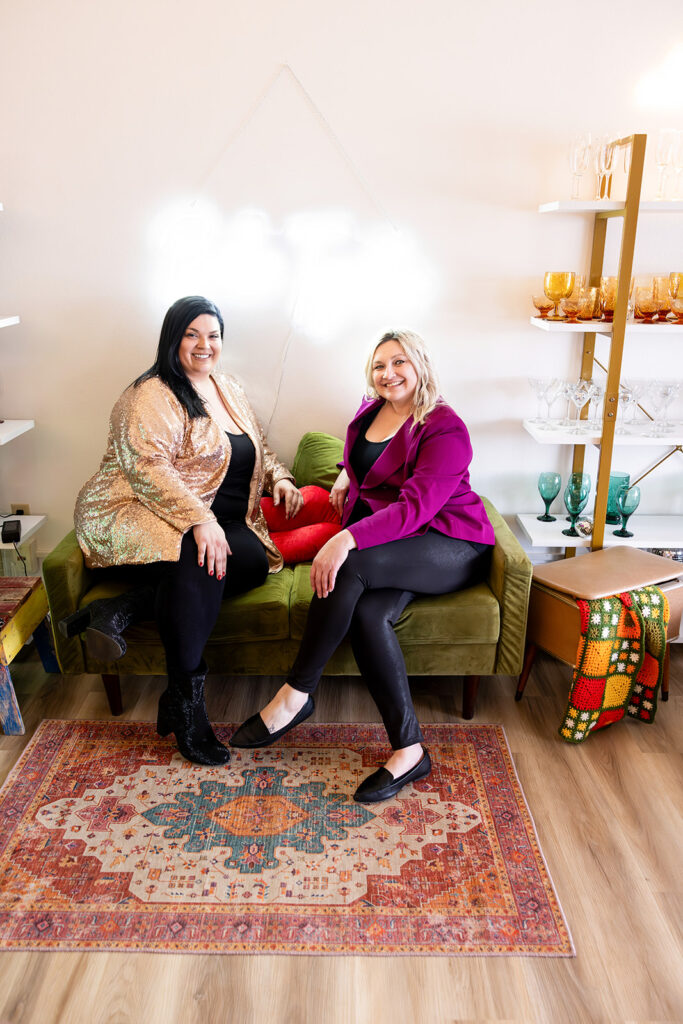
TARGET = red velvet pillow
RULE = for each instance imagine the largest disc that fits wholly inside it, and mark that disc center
(299, 539)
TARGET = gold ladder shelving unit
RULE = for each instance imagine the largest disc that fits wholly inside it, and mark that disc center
(629, 212)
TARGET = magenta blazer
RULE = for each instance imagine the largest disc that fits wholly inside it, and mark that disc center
(420, 480)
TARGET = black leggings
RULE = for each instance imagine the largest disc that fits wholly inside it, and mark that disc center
(372, 589)
(188, 599)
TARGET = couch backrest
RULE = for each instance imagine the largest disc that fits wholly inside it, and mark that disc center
(316, 459)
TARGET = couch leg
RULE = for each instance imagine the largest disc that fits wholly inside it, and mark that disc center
(112, 686)
(470, 685)
(529, 656)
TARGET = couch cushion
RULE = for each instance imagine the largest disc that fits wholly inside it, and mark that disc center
(470, 616)
(316, 459)
(259, 615)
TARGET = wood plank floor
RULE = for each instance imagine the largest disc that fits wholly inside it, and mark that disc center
(608, 814)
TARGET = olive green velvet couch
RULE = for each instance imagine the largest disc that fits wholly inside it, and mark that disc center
(473, 633)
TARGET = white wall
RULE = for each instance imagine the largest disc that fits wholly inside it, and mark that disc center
(440, 125)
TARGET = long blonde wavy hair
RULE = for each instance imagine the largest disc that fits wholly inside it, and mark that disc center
(427, 391)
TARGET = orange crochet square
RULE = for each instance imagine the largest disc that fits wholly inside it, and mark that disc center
(594, 656)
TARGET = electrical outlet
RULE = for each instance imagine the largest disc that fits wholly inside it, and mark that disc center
(20, 508)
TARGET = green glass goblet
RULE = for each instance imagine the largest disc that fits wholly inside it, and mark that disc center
(548, 487)
(575, 499)
(628, 500)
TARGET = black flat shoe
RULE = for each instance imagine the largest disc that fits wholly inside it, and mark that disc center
(254, 733)
(382, 785)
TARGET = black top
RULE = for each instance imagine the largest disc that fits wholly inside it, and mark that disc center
(364, 455)
(232, 497)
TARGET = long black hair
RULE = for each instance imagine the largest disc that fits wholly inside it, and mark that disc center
(167, 364)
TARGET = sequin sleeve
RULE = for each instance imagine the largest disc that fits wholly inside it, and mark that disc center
(149, 430)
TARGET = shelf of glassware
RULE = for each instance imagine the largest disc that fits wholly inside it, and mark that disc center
(648, 532)
(548, 433)
(600, 327)
(29, 526)
(9, 429)
(610, 206)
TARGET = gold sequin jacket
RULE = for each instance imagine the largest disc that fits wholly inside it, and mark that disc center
(160, 474)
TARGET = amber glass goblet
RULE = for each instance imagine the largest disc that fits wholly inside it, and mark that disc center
(543, 305)
(675, 280)
(677, 309)
(570, 309)
(558, 285)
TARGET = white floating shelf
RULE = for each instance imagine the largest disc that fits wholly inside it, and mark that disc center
(8, 321)
(29, 526)
(633, 437)
(648, 532)
(608, 205)
(600, 327)
(13, 428)
(563, 327)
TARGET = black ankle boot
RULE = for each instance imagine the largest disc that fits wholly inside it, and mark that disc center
(103, 622)
(182, 711)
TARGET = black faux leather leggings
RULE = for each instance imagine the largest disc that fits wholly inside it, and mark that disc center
(372, 589)
(188, 599)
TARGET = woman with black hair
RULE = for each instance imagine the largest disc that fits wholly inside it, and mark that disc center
(175, 507)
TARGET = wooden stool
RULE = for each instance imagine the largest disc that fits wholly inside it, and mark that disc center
(554, 618)
(23, 609)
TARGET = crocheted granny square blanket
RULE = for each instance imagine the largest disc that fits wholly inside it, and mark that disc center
(619, 663)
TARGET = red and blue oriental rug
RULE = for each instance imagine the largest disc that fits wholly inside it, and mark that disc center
(110, 840)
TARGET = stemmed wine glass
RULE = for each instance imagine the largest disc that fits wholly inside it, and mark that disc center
(578, 394)
(575, 498)
(548, 487)
(664, 156)
(604, 156)
(558, 285)
(628, 500)
(579, 158)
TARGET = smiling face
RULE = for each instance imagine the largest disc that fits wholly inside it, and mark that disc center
(393, 375)
(200, 349)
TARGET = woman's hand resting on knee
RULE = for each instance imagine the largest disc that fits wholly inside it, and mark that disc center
(329, 561)
(212, 548)
(340, 489)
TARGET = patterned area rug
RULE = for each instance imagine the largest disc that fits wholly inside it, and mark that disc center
(110, 840)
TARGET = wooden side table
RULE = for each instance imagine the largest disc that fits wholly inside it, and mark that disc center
(554, 620)
(23, 610)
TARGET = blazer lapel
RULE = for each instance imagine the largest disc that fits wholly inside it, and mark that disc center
(392, 458)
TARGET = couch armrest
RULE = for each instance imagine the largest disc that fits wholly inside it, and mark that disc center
(66, 581)
(510, 581)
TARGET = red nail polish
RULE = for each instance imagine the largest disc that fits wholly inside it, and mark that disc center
(210, 572)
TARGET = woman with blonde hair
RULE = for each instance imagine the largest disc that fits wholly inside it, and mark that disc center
(411, 524)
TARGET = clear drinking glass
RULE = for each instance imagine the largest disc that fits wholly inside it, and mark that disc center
(578, 394)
